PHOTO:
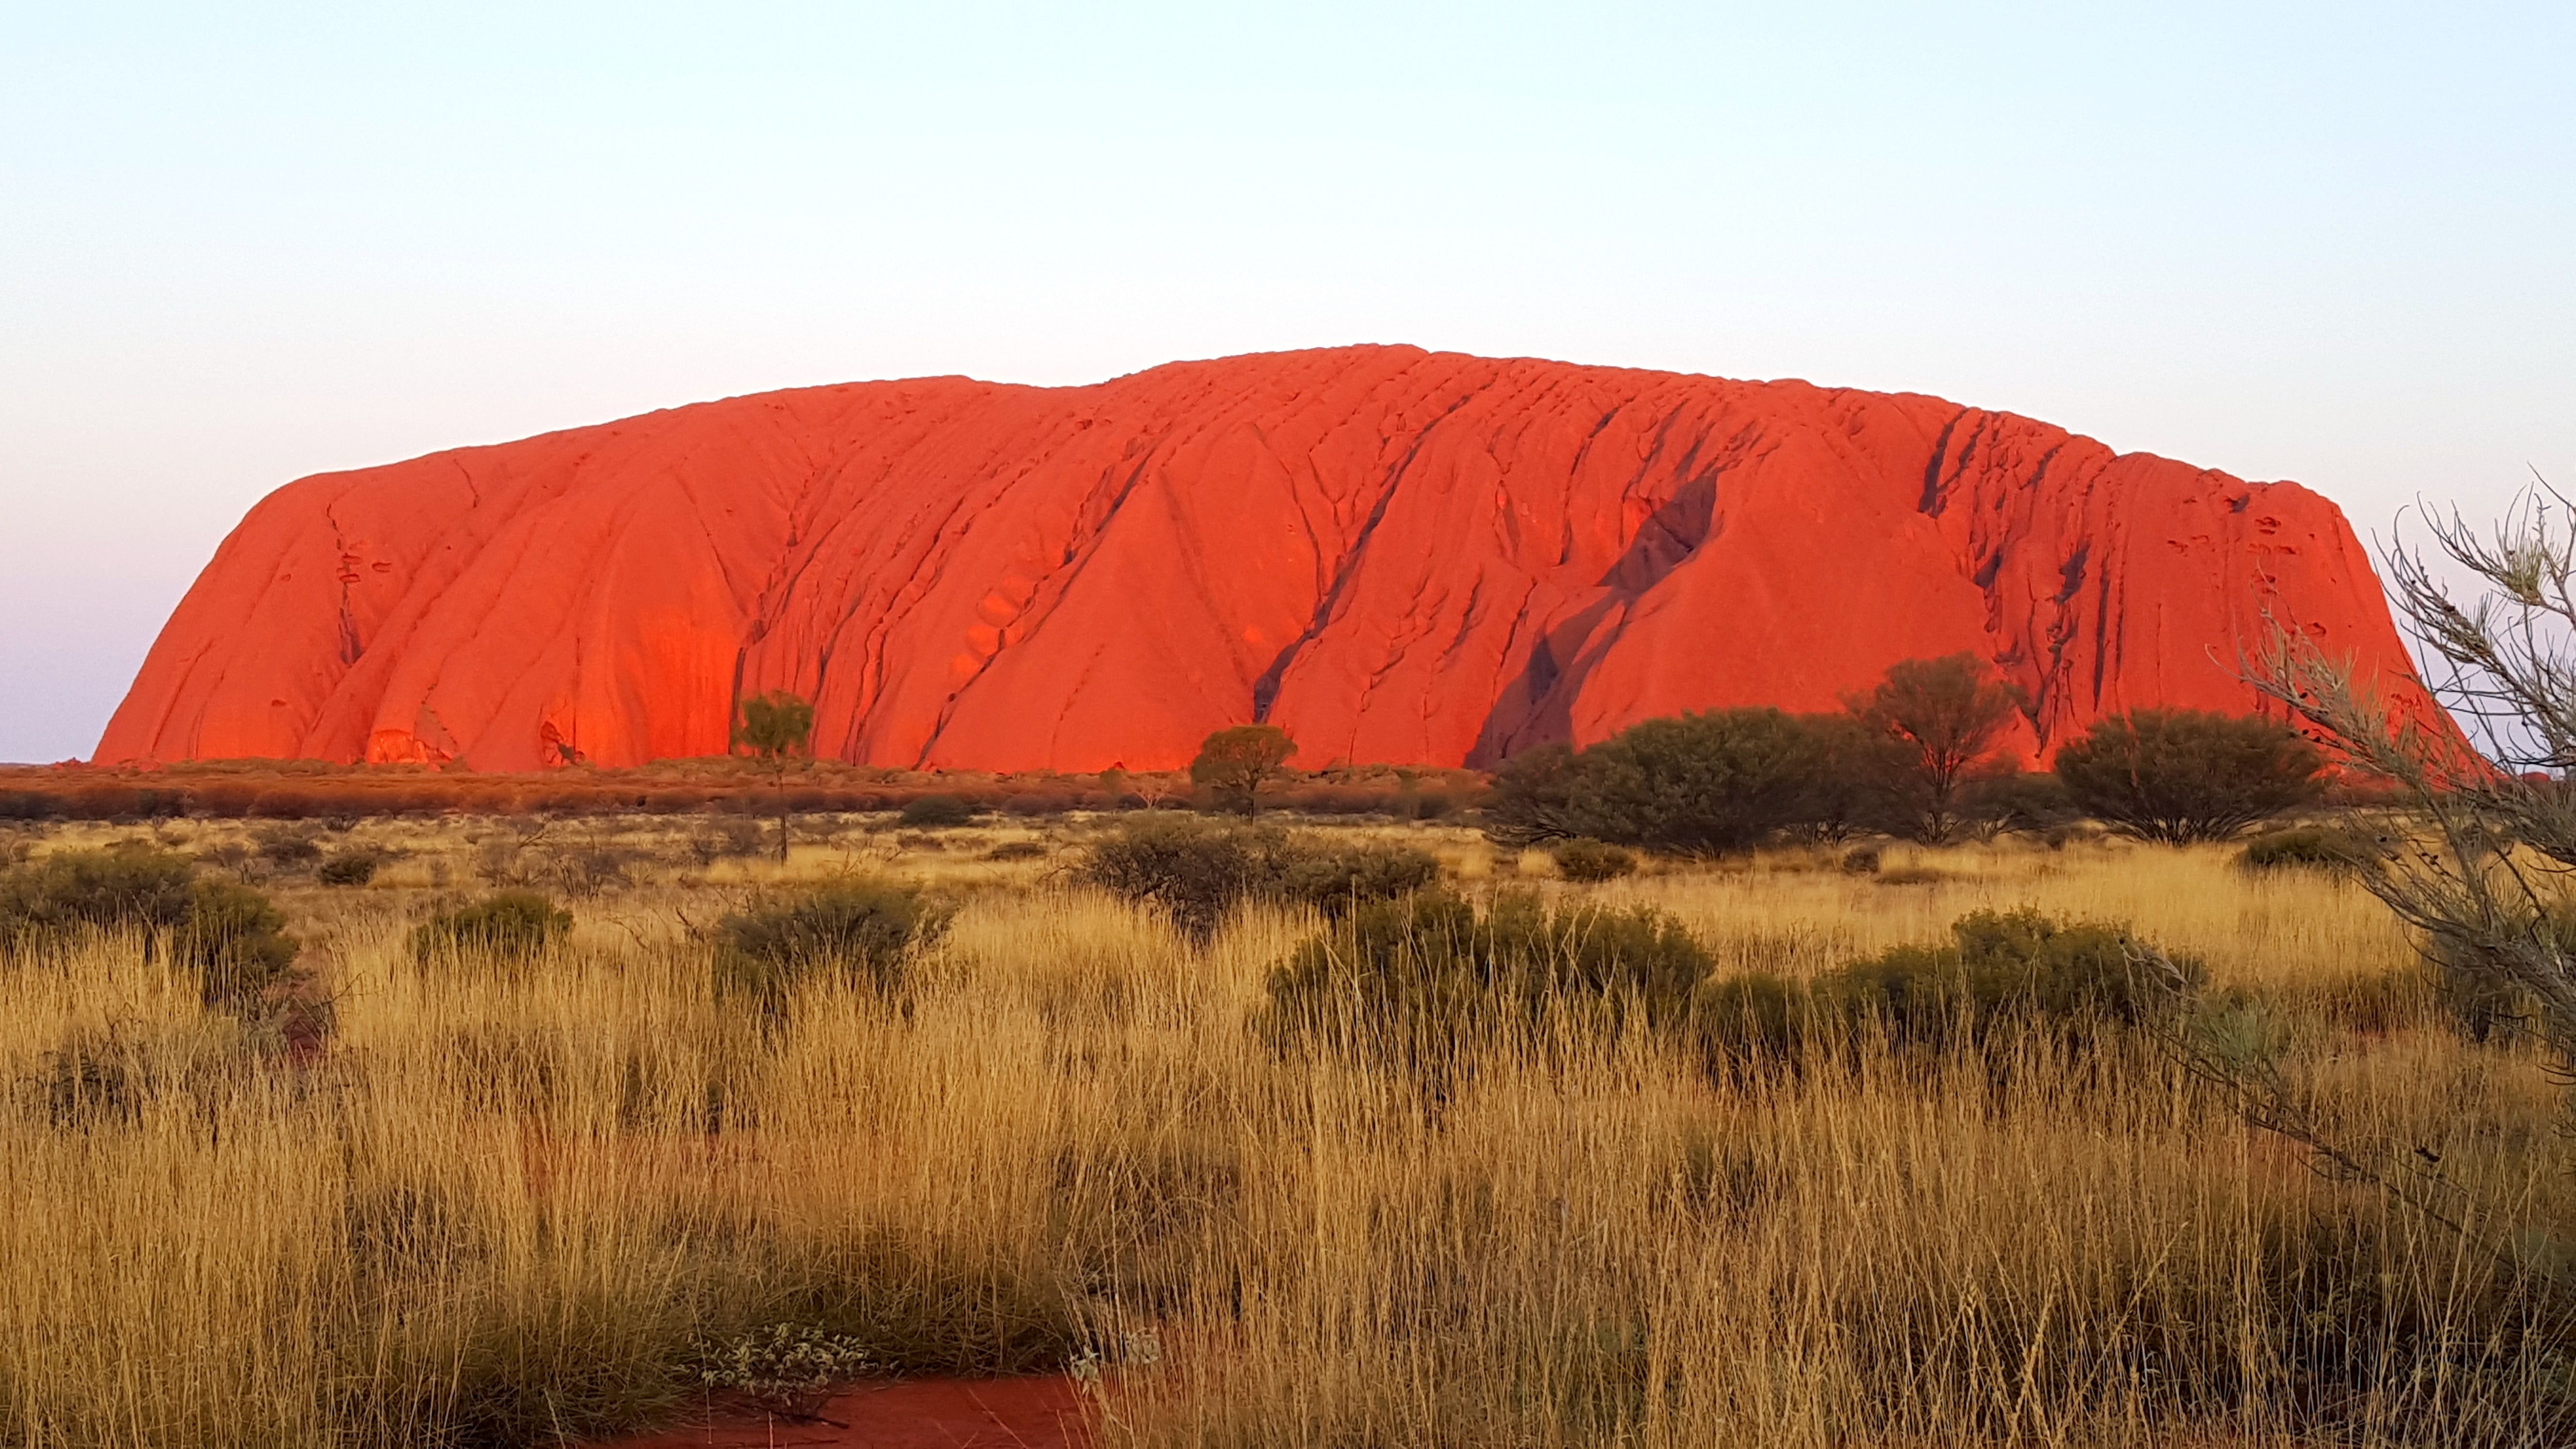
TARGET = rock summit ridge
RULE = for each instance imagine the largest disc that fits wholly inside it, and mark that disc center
(1400, 556)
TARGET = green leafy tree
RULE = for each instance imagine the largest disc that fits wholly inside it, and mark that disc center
(1234, 764)
(776, 727)
(2180, 775)
(1699, 784)
(1941, 720)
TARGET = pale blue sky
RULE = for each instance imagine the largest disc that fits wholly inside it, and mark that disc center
(2328, 242)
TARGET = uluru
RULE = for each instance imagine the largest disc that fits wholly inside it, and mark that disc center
(1399, 556)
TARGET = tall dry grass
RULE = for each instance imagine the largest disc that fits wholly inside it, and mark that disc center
(513, 1201)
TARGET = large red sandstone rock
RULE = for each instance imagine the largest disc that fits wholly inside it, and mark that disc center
(1400, 556)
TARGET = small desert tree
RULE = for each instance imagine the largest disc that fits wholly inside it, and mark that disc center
(1942, 720)
(775, 727)
(1234, 764)
(2180, 775)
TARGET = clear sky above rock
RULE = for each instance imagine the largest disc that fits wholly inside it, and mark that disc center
(2326, 242)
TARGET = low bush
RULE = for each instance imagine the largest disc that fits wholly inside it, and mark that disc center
(1018, 850)
(730, 839)
(790, 1370)
(352, 867)
(288, 848)
(1593, 860)
(1999, 968)
(228, 936)
(73, 890)
(1428, 805)
(934, 812)
(2308, 847)
(236, 944)
(1043, 802)
(1415, 980)
(1335, 876)
(1196, 870)
(585, 871)
(506, 926)
(865, 932)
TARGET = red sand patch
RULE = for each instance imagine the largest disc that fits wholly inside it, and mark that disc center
(1038, 1412)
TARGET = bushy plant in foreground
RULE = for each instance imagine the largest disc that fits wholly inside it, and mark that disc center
(1415, 980)
(236, 943)
(788, 1369)
(1592, 860)
(1998, 967)
(226, 935)
(865, 931)
(507, 926)
(1194, 871)
(1335, 876)
(71, 890)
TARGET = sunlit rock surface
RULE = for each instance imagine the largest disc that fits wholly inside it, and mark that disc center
(1399, 556)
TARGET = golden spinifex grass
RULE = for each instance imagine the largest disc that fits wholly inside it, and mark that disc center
(513, 1201)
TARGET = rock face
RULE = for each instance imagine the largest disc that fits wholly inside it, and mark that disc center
(1400, 556)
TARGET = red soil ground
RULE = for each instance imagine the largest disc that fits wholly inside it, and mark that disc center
(1038, 1412)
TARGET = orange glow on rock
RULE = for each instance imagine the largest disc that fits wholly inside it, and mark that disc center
(1396, 555)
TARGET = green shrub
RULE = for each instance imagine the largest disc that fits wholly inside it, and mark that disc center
(1999, 968)
(2179, 775)
(1335, 876)
(865, 932)
(235, 942)
(934, 812)
(1699, 784)
(790, 1370)
(1414, 980)
(510, 925)
(288, 847)
(1195, 871)
(228, 936)
(1754, 1016)
(353, 867)
(1593, 860)
(2307, 847)
(123, 887)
